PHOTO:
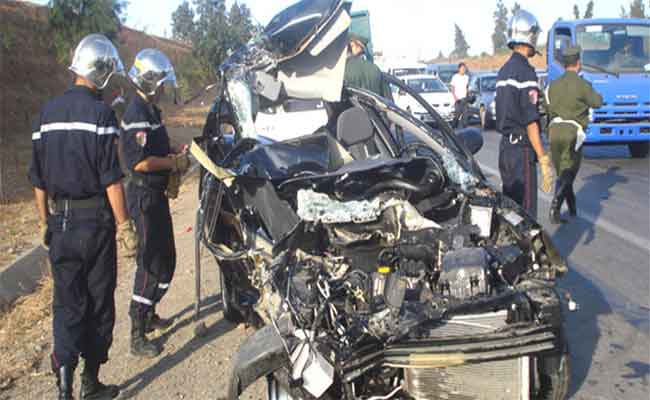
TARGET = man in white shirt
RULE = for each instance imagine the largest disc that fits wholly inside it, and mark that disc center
(459, 88)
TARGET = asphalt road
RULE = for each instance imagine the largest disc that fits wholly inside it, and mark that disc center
(608, 249)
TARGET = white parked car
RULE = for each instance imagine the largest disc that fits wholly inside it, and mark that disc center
(432, 90)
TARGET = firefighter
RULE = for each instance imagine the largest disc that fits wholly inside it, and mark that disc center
(75, 164)
(361, 73)
(517, 117)
(153, 164)
(568, 101)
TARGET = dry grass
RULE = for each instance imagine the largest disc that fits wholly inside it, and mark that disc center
(189, 116)
(24, 335)
(18, 229)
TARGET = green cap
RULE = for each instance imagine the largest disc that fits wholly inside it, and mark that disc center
(571, 54)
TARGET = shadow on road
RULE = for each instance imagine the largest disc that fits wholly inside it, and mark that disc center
(211, 305)
(569, 235)
(582, 327)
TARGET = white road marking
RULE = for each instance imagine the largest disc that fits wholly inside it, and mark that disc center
(603, 223)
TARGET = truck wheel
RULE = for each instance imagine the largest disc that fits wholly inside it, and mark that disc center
(639, 150)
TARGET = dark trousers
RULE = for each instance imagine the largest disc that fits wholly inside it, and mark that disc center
(460, 117)
(156, 256)
(84, 269)
(517, 165)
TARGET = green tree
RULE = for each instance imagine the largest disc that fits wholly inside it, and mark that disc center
(499, 38)
(71, 20)
(589, 12)
(576, 12)
(461, 47)
(241, 24)
(637, 9)
(183, 23)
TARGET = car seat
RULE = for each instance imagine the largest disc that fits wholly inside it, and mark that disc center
(357, 134)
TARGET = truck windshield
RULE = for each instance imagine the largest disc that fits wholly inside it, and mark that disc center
(619, 48)
(427, 85)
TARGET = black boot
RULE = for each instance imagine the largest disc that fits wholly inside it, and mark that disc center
(64, 380)
(155, 323)
(140, 345)
(556, 204)
(571, 202)
(92, 388)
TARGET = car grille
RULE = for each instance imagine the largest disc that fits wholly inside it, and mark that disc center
(494, 380)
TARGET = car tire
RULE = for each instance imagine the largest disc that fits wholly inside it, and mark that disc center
(230, 313)
(639, 150)
(554, 374)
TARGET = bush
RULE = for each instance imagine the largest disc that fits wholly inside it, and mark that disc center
(71, 20)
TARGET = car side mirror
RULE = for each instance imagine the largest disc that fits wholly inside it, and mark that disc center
(472, 138)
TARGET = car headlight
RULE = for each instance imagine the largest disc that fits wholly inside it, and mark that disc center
(591, 115)
(493, 107)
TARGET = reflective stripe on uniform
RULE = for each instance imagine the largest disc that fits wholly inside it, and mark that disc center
(140, 125)
(75, 126)
(163, 286)
(516, 84)
(142, 300)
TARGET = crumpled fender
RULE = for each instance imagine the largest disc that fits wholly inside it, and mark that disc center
(260, 355)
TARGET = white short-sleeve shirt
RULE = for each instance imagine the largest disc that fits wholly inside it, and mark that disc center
(459, 85)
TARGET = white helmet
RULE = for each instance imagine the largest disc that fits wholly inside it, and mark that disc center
(151, 69)
(523, 28)
(97, 60)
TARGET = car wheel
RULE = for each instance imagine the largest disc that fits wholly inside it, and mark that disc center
(230, 313)
(554, 374)
(639, 150)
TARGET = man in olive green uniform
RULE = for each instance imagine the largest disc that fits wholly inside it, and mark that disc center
(361, 73)
(569, 99)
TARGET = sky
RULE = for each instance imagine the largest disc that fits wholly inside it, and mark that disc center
(408, 28)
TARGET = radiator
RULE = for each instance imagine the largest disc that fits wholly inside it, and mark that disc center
(494, 380)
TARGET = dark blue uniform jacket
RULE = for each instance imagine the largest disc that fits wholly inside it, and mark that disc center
(74, 146)
(517, 97)
(144, 135)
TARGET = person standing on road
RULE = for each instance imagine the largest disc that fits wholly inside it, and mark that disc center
(155, 174)
(459, 89)
(75, 164)
(568, 100)
(517, 117)
(361, 73)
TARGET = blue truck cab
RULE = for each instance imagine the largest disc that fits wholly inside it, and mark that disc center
(616, 60)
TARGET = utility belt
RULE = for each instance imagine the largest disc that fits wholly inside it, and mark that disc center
(520, 138)
(64, 205)
(158, 184)
(580, 132)
(91, 212)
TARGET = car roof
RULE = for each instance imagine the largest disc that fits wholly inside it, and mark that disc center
(419, 76)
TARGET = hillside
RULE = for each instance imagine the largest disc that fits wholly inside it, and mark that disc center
(30, 74)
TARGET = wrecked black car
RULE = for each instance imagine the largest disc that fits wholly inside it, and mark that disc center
(372, 255)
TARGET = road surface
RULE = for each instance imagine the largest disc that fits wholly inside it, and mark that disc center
(607, 248)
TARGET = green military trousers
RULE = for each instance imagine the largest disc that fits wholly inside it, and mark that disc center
(563, 141)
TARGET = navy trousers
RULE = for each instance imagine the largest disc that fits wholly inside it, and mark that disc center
(156, 256)
(518, 168)
(83, 255)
